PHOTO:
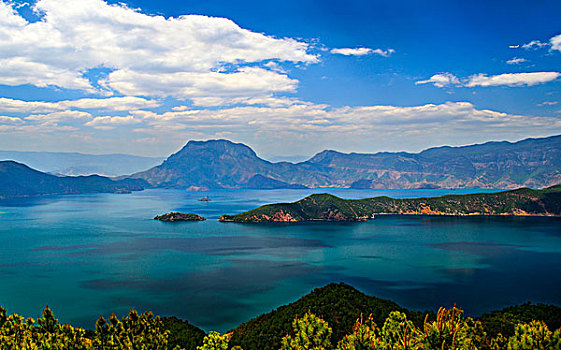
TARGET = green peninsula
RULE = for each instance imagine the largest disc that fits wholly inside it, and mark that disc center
(176, 216)
(326, 207)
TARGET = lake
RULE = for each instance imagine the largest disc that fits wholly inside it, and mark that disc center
(86, 255)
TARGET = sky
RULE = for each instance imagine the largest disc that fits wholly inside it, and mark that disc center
(288, 78)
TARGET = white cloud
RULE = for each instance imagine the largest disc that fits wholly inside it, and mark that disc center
(507, 79)
(534, 45)
(113, 103)
(109, 122)
(513, 46)
(361, 51)
(556, 42)
(247, 81)
(59, 116)
(516, 60)
(10, 120)
(512, 79)
(547, 103)
(441, 80)
(75, 36)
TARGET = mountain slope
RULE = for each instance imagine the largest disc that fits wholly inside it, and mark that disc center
(19, 180)
(213, 164)
(223, 164)
(326, 207)
(81, 164)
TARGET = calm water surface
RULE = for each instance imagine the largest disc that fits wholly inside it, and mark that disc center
(87, 255)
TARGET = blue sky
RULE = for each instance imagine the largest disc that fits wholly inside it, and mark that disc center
(285, 77)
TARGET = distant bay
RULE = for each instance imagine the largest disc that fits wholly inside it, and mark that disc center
(89, 254)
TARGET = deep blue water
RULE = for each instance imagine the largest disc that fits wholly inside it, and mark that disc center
(86, 255)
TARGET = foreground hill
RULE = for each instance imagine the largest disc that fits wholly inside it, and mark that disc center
(338, 303)
(73, 164)
(19, 180)
(326, 207)
(532, 163)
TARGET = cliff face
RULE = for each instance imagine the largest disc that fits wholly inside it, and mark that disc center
(222, 164)
(325, 207)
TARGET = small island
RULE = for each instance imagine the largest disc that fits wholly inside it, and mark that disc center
(326, 207)
(176, 216)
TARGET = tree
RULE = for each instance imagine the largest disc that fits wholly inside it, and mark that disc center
(215, 341)
(365, 336)
(310, 333)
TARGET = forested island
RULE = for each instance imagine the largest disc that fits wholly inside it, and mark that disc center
(176, 216)
(327, 207)
(334, 317)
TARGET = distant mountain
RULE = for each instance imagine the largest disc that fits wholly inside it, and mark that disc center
(217, 164)
(82, 164)
(532, 163)
(19, 180)
(327, 207)
(261, 182)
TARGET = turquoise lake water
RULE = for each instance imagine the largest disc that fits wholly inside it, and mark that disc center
(86, 255)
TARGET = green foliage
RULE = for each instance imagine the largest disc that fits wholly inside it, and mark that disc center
(452, 331)
(449, 331)
(398, 332)
(365, 336)
(182, 333)
(215, 341)
(328, 328)
(327, 207)
(534, 336)
(337, 303)
(503, 321)
(134, 332)
(309, 333)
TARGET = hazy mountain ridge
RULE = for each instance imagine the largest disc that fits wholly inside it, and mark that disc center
(223, 164)
(19, 180)
(71, 163)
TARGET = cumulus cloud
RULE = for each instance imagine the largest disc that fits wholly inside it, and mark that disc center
(512, 79)
(361, 51)
(534, 45)
(59, 116)
(247, 81)
(283, 123)
(516, 60)
(507, 79)
(556, 42)
(112, 103)
(138, 49)
(109, 122)
(10, 120)
(441, 80)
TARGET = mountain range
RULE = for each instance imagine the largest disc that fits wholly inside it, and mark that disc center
(215, 164)
(19, 180)
(74, 164)
(532, 163)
